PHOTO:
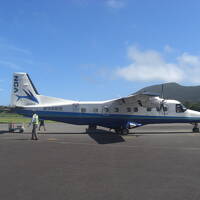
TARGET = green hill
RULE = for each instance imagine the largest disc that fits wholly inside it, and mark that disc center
(188, 95)
(176, 91)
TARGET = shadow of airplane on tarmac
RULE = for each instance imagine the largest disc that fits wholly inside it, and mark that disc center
(3, 132)
(105, 137)
(100, 136)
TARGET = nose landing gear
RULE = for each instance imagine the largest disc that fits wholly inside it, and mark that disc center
(196, 128)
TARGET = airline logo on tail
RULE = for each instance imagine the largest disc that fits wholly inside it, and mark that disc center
(29, 96)
(16, 84)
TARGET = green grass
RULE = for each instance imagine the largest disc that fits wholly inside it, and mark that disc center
(12, 118)
(15, 118)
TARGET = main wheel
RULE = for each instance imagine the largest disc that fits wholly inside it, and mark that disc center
(117, 131)
(92, 127)
(125, 131)
(21, 130)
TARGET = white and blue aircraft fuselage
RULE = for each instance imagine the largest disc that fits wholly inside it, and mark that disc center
(118, 114)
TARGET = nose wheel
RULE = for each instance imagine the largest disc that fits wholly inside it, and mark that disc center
(196, 128)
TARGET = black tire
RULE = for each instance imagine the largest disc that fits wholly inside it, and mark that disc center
(92, 127)
(117, 131)
(125, 131)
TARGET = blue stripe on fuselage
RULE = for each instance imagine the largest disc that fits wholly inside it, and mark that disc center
(106, 120)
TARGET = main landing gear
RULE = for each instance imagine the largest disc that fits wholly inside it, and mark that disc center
(91, 128)
(196, 128)
(124, 131)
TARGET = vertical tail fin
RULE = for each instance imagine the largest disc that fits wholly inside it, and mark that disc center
(23, 91)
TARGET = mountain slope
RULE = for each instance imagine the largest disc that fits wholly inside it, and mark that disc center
(176, 91)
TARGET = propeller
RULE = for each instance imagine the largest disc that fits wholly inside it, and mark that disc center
(162, 91)
(163, 101)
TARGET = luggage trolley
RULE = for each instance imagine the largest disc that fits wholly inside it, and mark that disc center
(12, 128)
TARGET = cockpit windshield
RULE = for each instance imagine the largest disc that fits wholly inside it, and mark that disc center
(180, 108)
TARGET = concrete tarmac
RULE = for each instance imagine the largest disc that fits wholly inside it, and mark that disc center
(158, 162)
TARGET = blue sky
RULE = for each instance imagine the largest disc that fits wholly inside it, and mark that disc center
(98, 49)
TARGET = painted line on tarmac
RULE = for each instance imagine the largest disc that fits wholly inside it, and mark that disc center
(52, 139)
(130, 136)
(117, 145)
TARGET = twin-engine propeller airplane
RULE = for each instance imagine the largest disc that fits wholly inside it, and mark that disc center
(119, 114)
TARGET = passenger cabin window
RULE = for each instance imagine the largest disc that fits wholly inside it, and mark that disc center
(135, 109)
(53, 108)
(148, 109)
(128, 109)
(83, 110)
(95, 110)
(180, 108)
(116, 109)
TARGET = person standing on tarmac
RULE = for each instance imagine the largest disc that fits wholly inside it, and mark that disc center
(42, 124)
(34, 122)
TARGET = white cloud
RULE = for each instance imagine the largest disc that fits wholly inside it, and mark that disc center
(115, 3)
(168, 49)
(1, 88)
(20, 50)
(15, 49)
(9, 65)
(151, 65)
(13, 57)
(187, 59)
(190, 64)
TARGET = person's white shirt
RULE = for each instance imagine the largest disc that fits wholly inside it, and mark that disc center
(34, 119)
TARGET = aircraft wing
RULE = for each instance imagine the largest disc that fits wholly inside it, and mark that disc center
(145, 99)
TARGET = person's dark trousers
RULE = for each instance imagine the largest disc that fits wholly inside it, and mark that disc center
(34, 132)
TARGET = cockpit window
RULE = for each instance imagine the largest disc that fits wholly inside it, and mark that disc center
(180, 108)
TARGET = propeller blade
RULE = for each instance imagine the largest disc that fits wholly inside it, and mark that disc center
(162, 92)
